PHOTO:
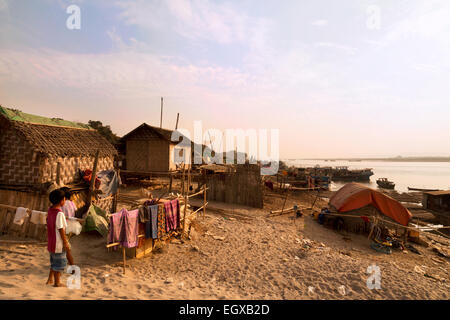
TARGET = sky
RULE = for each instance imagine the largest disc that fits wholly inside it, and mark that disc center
(336, 78)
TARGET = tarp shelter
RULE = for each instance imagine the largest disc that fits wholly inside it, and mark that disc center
(96, 220)
(353, 196)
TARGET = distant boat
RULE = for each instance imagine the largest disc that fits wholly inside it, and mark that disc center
(344, 174)
(385, 183)
(420, 189)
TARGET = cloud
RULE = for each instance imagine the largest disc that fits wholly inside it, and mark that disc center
(124, 73)
(192, 19)
(428, 19)
(339, 47)
(3, 5)
(320, 23)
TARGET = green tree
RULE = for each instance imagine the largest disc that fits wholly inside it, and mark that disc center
(104, 131)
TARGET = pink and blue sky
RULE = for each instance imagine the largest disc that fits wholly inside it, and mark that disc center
(316, 70)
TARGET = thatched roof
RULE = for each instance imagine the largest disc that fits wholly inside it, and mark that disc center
(145, 131)
(60, 140)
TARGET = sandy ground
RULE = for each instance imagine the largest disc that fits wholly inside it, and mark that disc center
(234, 253)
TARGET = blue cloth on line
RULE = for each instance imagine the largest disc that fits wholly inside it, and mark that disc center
(151, 226)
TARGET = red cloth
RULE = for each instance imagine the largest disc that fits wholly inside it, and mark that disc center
(87, 176)
(51, 229)
(366, 219)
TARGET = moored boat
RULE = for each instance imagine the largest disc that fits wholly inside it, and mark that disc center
(385, 183)
(345, 174)
(423, 190)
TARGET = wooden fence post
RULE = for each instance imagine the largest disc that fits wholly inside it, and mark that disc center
(92, 184)
(204, 201)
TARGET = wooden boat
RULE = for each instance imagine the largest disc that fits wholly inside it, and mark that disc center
(345, 174)
(420, 189)
(385, 183)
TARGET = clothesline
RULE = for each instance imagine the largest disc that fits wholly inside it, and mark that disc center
(180, 199)
(6, 206)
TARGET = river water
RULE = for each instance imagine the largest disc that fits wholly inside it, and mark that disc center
(429, 175)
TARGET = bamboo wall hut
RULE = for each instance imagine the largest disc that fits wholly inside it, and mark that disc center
(149, 149)
(439, 203)
(36, 152)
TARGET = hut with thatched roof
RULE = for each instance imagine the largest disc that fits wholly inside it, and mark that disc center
(38, 152)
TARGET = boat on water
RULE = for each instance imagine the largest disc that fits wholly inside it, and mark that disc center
(345, 174)
(423, 190)
(385, 183)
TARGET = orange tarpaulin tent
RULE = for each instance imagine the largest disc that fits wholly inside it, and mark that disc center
(353, 196)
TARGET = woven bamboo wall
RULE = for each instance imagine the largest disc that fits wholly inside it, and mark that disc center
(32, 200)
(242, 187)
(69, 167)
(18, 162)
(36, 201)
(20, 165)
(148, 155)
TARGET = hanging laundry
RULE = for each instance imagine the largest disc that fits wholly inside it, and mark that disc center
(21, 214)
(161, 221)
(87, 176)
(169, 220)
(151, 226)
(38, 217)
(130, 229)
(144, 214)
(172, 211)
(109, 182)
(176, 211)
(115, 226)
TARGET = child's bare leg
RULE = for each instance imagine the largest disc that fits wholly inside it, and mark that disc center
(50, 277)
(58, 279)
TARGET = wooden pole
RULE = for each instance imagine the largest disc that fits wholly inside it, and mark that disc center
(284, 203)
(186, 198)
(162, 103)
(375, 223)
(182, 181)
(58, 173)
(318, 192)
(124, 259)
(170, 183)
(116, 196)
(94, 173)
(204, 200)
(176, 125)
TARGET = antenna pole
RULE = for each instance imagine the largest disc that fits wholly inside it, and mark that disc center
(162, 104)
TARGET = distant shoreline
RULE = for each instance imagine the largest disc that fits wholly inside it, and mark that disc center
(396, 159)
